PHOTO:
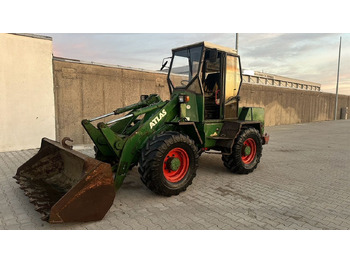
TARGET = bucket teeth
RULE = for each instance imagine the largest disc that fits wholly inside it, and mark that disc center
(37, 208)
(65, 185)
(40, 201)
(42, 208)
(45, 217)
(35, 194)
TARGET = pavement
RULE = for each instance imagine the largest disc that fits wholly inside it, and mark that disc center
(302, 182)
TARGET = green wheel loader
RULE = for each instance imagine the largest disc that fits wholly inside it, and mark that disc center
(164, 138)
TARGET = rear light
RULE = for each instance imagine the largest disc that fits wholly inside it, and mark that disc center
(266, 139)
(184, 99)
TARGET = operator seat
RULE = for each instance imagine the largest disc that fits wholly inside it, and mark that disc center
(210, 82)
(211, 86)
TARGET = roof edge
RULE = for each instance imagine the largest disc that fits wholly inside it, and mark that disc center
(44, 37)
(77, 61)
(209, 45)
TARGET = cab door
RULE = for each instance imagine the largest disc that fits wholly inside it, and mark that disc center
(233, 80)
(212, 84)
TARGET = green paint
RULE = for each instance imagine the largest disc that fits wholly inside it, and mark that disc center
(188, 110)
(211, 129)
(247, 150)
(252, 114)
(175, 163)
(118, 181)
(115, 142)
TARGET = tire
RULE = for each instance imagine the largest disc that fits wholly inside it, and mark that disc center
(246, 152)
(168, 163)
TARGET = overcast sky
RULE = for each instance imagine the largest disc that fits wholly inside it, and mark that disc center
(310, 57)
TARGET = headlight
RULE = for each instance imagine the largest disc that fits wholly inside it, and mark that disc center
(143, 97)
(184, 99)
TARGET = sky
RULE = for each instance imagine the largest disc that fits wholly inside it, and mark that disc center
(306, 56)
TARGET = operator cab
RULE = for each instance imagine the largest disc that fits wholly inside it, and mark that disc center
(211, 72)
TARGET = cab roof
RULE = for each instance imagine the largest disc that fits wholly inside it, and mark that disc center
(209, 45)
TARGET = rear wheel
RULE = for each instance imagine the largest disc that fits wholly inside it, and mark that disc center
(246, 152)
(168, 163)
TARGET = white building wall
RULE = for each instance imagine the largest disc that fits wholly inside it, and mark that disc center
(27, 108)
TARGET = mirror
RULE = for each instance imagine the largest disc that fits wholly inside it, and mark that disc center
(166, 61)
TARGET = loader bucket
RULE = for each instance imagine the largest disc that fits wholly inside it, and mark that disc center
(66, 185)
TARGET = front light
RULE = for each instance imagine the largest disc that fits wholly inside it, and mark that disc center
(184, 99)
(143, 97)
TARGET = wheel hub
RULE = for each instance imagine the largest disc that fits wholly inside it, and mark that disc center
(176, 165)
(173, 163)
(247, 150)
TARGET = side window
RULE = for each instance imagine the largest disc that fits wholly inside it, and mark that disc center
(233, 77)
(232, 83)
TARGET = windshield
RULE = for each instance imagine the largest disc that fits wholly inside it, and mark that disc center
(185, 66)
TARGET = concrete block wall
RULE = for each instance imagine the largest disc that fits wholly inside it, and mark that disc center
(284, 106)
(84, 91)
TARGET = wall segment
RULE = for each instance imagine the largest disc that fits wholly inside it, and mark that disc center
(84, 91)
(26, 91)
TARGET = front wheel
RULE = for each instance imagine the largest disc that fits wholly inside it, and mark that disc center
(246, 152)
(168, 163)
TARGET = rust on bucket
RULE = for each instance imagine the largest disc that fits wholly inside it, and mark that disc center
(66, 185)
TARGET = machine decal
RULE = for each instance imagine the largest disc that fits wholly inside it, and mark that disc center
(156, 120)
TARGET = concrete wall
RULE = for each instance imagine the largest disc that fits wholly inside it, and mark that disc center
(26, 91)
(85, 91)
(279, 81)
(284, 106)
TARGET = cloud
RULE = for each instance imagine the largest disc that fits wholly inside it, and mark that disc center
(135, 50)
(311, 57)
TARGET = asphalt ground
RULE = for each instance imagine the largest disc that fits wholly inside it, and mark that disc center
(302, 182)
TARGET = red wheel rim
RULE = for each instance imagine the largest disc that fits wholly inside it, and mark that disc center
(248, 146)
(175, 165)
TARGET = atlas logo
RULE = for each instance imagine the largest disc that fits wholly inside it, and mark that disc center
(156, 120)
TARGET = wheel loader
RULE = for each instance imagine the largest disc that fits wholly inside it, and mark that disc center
(164, 138)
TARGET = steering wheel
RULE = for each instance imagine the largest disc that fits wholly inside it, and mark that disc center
(184, 82)
(217, 97)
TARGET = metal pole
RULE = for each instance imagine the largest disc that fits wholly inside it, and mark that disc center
(100, 117)
(118, 119)
(237, 42)
(336, 94)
